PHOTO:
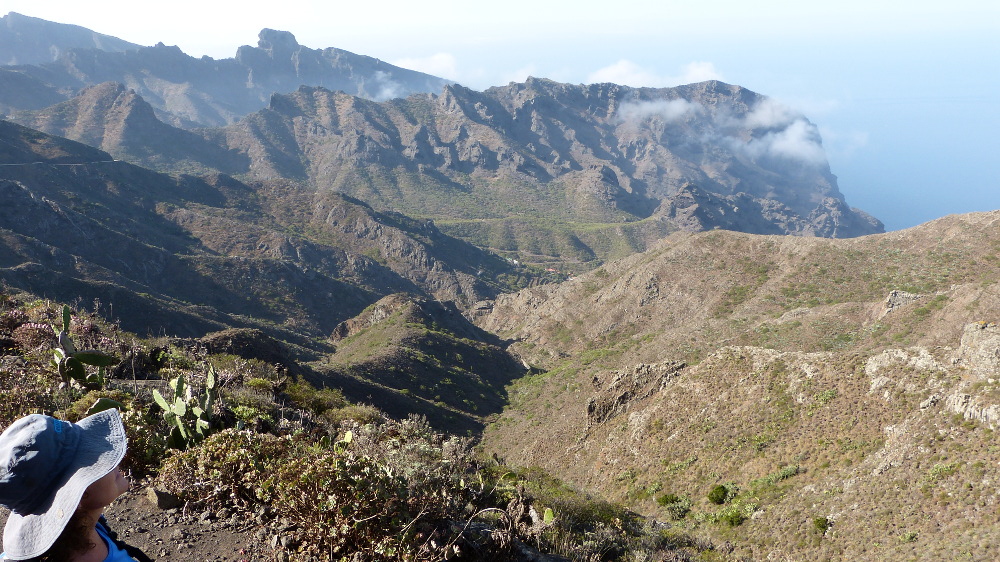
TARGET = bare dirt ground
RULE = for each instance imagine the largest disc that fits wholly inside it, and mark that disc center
(179, 534)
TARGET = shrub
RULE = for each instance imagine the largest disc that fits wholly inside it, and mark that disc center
(315, 400)
(326, 493)
(31, 336)
(360, 414)
(821, 524)
(676, 507)
(228, 468)
(667, 499)
(734, 517)
(718, 495)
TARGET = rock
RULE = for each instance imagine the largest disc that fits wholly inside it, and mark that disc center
(163, 499)
(931, 401)
(627, 385)
(898, 299)
(980, 349)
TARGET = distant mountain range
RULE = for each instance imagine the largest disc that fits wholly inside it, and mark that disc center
(28, 40)
(555, 171)
(184, 90)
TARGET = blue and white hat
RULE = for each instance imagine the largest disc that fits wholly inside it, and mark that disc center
(45, 466)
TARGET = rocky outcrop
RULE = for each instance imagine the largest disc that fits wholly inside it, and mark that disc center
(372, 315)
(980, 350)
(615, 391)
(248, 344)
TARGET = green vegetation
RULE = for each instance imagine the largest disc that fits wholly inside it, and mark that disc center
(189, 416)
(348, 481)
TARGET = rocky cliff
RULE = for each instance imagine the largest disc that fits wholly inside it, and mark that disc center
(695, 157)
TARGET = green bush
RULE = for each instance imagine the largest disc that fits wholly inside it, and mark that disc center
(733, 517)
(676, 507)
(718, 495)
(821, 524)
(315, 400)
(667, 499)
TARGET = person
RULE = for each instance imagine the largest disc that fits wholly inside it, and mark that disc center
(56, 478)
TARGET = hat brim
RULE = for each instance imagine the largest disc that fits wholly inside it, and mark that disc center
(101, 448)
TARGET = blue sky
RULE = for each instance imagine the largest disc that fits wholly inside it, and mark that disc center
(906, 95)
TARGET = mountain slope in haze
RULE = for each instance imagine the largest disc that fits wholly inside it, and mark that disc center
(844, 391)
(192, 92)
(28, 40)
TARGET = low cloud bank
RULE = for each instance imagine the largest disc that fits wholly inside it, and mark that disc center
(769, 130)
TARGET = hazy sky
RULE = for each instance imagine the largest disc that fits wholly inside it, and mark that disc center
(906, 94)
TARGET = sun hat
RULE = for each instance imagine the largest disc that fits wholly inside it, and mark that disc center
(45, 466)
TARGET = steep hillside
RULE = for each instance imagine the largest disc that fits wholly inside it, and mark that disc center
(420, 357)
(586, 154)
(77, 223)
(191, 92)
(115, 119)
(842, 390)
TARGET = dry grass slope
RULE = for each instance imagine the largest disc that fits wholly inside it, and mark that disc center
(845, 391)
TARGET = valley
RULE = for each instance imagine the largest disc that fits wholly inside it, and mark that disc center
(646, 317)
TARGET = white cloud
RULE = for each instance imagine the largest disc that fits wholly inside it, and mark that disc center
(798, 141)
(697, 71)
(769, 114)
(668, 110)
(387, 87)
(623, 72)
(444, 65)
(628, 73)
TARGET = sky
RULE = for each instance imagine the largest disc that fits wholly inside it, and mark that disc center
(906, 95)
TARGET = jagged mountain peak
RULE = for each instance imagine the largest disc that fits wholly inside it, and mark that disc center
(278, 43)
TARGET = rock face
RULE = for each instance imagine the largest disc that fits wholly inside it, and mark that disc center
(696, 157)
(614, 392)
(191, 92)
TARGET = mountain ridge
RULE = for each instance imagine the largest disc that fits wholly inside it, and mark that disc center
(195, 92)
(639, 162)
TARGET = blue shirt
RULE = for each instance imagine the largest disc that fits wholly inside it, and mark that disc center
(115, 554)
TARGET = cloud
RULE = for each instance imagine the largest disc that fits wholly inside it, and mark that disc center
(387, 87)
(668, 110)
(800, 140)
(778, 131)
(770, 114)
(444, 65)
(628, 73)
